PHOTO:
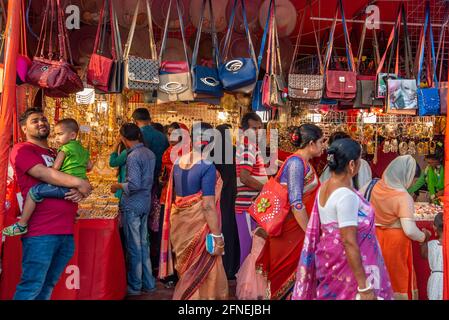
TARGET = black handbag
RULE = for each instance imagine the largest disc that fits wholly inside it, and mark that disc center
(118, 70)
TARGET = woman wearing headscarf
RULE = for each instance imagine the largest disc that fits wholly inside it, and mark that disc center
(395, 224)
(341, 259)
(192, 215)
(280, 255)
(226, 168)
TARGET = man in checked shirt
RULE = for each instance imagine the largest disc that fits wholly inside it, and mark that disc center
(135, 207)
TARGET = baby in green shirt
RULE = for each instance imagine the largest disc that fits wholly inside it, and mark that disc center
(72, 158)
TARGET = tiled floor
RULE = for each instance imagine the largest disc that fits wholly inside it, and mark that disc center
(163, 293)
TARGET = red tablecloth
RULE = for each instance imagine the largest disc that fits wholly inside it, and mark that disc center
(422, 268)
(96, 271)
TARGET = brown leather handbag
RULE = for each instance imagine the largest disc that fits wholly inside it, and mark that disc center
(340, 84)
(57, 77)
(302, 86)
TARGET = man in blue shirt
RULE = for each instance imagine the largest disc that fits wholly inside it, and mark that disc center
(155, 140)
(135, 207)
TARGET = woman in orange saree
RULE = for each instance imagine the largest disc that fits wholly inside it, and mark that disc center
(191, 213)
(395, 225)
(280, 255)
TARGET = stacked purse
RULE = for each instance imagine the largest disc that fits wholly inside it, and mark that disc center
(141, 74)
(55, 72)
(206, 83)
(175, 83)
(106, 73)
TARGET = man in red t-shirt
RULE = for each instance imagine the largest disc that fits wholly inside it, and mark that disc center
(48, 246)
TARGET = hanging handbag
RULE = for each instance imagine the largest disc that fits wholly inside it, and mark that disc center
(307, 87)
(273, 85)
(205, 79)
(442, 85)
(100, 66)
(240, 74)
(141, 74)
(383, 77)
(57, 77)
(174, 86)
(23, 63)
(256, 102)
(428, 98)
(271, 207)
(341, 85)
(117, 75)
(402, 92)
(366, 84)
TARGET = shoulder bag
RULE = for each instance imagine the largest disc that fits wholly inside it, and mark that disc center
(205, 79)
(58, 78)
(401, 92)
(442, 85)
(256, 102)
(341, 85)
(428, 98)
(366, 84)
(100, 67)
(141, 74)
(271, 207)
(240, 74)
(175, 83)
(307, 87)
(273, 85)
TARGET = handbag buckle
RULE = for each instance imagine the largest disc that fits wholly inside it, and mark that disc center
(341, 79)
(234, 65)
(131, 76)
(209, 81)
(173, 87)
(305, 90)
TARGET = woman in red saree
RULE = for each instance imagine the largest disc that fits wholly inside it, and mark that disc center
(191, 213)
(280, 256)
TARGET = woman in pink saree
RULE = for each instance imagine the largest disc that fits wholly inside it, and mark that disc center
(191, 213)
(341, 258)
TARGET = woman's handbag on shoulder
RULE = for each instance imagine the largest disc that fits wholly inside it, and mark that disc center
(271, 206)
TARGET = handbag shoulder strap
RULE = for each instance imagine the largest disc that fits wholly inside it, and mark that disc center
(298, 40)
(281, 169)
(349, 54)
(131, 31)
(151, 31)
(278, 49)
(164, 39)
(199, 31)
(264, 37)
(427, 24)
(389, 44)
(99, 28)
(229, 33)
(370, 188)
